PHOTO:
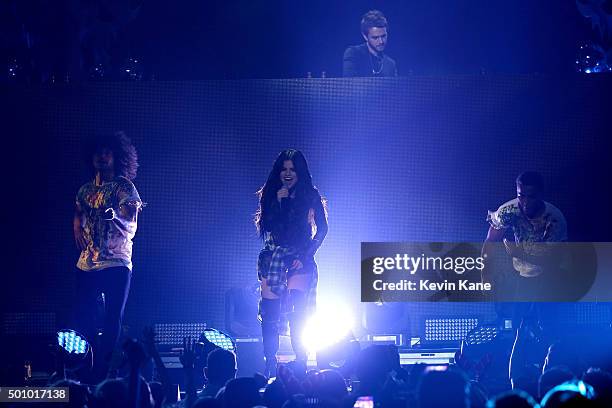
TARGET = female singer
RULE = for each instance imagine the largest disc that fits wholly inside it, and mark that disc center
(292, 222)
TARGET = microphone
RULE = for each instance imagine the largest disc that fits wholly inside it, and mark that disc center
(285, 185)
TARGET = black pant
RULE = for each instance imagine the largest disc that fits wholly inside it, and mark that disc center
(115, 284)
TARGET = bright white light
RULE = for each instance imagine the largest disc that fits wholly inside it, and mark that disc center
(331, 323)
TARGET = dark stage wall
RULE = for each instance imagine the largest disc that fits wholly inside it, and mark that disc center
(408, 159)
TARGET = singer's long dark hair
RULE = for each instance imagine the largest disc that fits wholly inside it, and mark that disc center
(305, 191)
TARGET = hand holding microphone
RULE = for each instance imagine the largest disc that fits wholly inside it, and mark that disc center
(282, 193)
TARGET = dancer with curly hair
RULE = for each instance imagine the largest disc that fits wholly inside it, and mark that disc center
(104, 226)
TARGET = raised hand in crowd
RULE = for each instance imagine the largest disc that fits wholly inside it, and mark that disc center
(188, 360)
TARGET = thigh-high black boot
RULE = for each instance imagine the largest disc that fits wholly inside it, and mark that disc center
(297, 319)
(270, 315)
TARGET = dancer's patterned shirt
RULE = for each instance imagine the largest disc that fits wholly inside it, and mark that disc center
(530, 233)
(109, 240)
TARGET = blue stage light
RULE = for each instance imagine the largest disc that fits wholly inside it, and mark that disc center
(218, 338)
(482, 334)
(448, 329)
(72, 342)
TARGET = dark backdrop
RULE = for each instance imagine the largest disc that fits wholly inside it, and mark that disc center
(409, 159)
(193, 39)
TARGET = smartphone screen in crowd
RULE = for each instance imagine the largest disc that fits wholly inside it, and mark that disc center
(364, 402)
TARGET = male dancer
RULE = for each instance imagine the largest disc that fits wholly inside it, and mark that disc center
(535, 223)
(104, 225)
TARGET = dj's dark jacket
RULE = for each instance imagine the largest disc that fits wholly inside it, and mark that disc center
(359, 62)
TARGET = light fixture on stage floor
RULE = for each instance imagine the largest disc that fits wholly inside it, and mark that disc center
(171, 335)
(72, 342)
(74, 347)
(442, 330)
(482, 334)
(485, 353)
(218, 339)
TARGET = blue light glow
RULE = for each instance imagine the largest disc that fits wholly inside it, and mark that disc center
(72, 342)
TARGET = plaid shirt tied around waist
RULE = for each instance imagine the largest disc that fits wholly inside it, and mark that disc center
(273, 264)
